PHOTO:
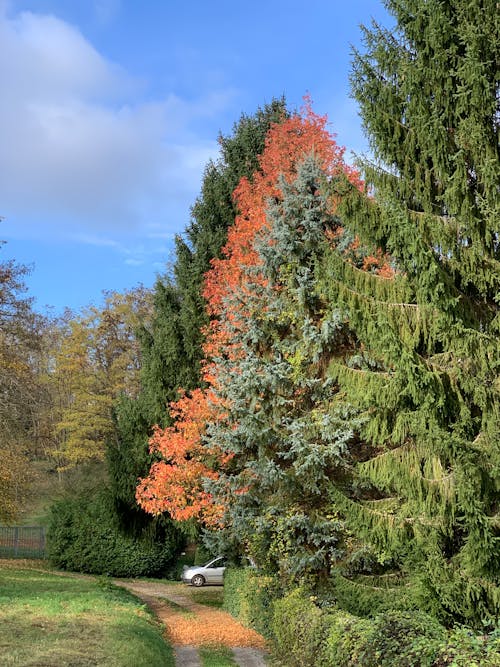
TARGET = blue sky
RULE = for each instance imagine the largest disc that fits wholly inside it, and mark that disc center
(111, 110)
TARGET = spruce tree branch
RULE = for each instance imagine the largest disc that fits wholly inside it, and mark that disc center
(374, 300)
(410, 520)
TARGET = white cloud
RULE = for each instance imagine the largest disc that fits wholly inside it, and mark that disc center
(77, 148)
(134, 251)
(97, 241)
(44, 58)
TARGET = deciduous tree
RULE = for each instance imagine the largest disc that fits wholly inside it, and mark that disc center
(97, 362)
(19, 346)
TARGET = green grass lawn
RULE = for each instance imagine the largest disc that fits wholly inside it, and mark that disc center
(49, 619)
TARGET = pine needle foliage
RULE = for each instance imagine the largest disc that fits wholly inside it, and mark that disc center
(425, 366)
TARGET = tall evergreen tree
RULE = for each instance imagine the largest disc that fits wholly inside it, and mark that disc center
(425, 365)
(239, 290)
(287, 427)
(213, 213)
(171, 346)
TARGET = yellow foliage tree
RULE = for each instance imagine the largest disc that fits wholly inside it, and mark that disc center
(19, 343)
(98, 360)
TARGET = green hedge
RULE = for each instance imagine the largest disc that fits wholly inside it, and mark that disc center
(393, 638)
(345, 639)
(83, 536)
(466, 649)
(299, 630)
(303, 633)
(249, 596)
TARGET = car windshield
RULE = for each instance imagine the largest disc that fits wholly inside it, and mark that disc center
(217, 562)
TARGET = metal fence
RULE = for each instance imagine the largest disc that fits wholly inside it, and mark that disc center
(22, 542)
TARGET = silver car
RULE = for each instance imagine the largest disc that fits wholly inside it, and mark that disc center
(211, 573)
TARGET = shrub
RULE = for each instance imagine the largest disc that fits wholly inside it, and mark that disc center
(347, 636)
(299, 630)
(303, 633)
(235, 586)
(258, 604)
(406, 639)
(249, 596)
(466, 649)
(84, 536)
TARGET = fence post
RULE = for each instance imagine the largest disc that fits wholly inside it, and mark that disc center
(16, 541)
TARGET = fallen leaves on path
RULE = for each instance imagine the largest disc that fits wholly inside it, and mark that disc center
(209, 627)
(202, 626)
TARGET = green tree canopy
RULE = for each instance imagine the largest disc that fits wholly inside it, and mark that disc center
(287, 427)
(424, 368)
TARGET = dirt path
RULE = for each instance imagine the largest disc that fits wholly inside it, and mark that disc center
(190, 625)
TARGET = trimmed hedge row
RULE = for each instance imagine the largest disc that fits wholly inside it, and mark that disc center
(302, 633)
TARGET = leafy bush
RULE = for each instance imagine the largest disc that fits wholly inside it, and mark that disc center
(465, 649)
(249, 597)
(347, 635)
(394, 638)
(84, 536)
(408, 639)
(299, 630)
(303, 633)
(235, 587)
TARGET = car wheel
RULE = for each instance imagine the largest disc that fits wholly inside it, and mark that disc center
(198, 580)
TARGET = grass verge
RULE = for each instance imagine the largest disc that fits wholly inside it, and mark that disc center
(217, 657)
(211, 597)
(49, 619)
(176, 607)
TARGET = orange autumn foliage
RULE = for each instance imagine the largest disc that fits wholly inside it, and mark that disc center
(287, 144)
(175, 484)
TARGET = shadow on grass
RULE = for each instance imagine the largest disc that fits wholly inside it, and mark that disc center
(48, 619)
